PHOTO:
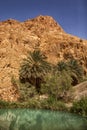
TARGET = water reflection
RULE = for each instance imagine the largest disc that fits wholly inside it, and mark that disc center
(27, 119)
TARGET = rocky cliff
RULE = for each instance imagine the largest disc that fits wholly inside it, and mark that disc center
(17, 38)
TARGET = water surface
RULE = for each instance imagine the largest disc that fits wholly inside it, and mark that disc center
(27, 119)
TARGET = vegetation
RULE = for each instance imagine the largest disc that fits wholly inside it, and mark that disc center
(57, 85)
(80, 107)
(4, 104)
(49, 103)
(38, 77)
(73, 68)
(76, 71)
(33, 69)
(26, 91)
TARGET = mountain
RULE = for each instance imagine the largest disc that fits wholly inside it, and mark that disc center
(17, 38)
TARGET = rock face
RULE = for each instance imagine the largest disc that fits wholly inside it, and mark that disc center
(80, 90)
(17, 38)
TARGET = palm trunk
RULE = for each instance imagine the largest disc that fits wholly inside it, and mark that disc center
(38, 85)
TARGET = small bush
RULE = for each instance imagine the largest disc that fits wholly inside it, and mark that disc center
(4, 104)
(57, 85)
(26, 91)
(54, 104)
(80, 107)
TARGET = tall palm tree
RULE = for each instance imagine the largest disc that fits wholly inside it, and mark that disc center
(33, 69)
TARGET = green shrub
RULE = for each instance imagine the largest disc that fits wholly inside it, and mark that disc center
(57, 85)
(4, 104)
(26, 91)
(80, 107)
(54, 104)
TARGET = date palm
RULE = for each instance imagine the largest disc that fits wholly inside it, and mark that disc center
(76, 70)
(61, 66)
(34, 68)
(72, 68)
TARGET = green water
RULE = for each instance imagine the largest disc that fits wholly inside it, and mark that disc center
(27, 119)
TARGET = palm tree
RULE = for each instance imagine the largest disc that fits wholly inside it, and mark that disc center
(61, 66)
(34, 68)
(72, 68)
(76, 71)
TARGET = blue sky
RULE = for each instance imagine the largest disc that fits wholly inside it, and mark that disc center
(70, 14)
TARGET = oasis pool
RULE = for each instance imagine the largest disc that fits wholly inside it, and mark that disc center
(27, 119)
